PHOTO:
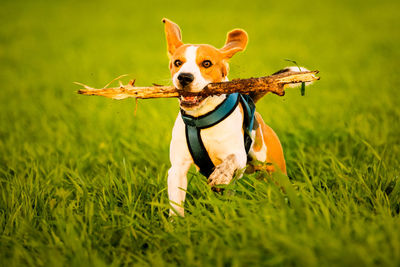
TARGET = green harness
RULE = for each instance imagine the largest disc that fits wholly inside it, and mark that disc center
(193, 125)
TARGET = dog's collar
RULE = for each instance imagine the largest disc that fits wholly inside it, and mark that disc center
(222, 111)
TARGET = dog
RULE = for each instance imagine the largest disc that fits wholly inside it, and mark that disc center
(223, 142)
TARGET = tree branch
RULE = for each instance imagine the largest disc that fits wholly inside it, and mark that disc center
(256, 87)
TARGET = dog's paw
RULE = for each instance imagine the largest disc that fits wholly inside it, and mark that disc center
(224, 172)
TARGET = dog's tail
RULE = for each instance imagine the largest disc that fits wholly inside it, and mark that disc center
(257, 96)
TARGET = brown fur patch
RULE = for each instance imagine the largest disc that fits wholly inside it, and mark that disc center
(218, 69)
(274, 147)
(173, 36)
(236, 41)
(215, 73)
(258, 141)
(178, 55)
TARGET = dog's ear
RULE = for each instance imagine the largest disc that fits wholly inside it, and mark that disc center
(173, 35)
(235, 41)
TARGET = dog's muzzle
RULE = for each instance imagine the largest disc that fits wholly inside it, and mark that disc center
(185, 79)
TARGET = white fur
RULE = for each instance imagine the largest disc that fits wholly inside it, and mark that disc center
(181, 160)
(190, 66)
(220, 141)
(262, 154)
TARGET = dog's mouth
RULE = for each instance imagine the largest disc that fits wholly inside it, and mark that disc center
(191, 101)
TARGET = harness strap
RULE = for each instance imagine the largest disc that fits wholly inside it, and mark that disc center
(198, 151)
(211, 118)
(249, 109)
(193, 125)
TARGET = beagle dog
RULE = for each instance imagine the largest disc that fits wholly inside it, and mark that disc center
(192, 68)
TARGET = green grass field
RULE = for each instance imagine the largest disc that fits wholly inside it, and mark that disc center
(83, 180)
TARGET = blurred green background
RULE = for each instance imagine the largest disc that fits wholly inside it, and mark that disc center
(83, 180)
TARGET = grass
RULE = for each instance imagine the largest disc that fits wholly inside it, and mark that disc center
(83, 180)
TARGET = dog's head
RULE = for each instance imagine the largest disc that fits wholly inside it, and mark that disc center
(194, 66)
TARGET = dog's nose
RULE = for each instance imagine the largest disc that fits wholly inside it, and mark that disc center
(185, 78)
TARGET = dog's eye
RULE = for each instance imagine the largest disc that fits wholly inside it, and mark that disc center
(177, 63)
(206, 63)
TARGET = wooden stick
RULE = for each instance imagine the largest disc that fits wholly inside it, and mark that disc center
(256, 87)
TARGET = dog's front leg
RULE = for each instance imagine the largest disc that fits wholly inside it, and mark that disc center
(225, 171)
(180, 163)
(177, 185)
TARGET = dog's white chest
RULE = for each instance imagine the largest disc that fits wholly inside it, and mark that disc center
(220, 140)
(224, 138)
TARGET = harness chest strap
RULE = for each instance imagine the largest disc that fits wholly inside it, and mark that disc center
(193, 125)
